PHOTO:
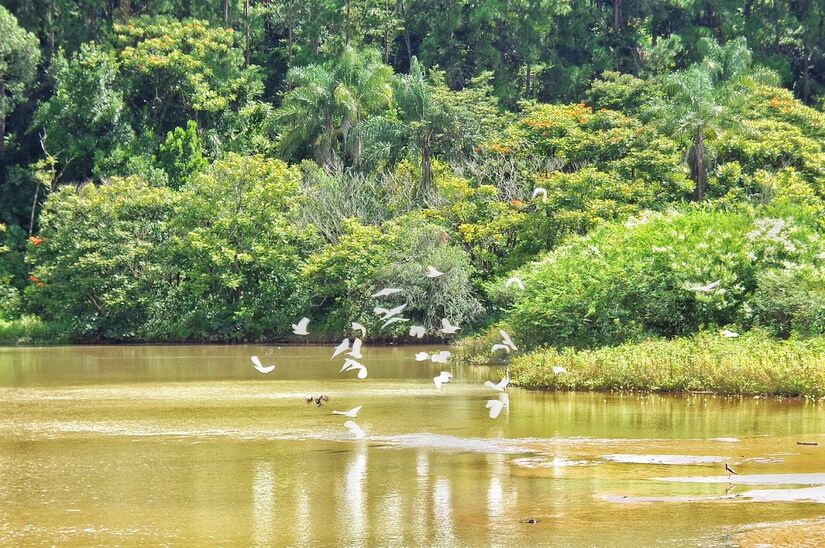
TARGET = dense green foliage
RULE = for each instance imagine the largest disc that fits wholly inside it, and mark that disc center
(213, 171)
(638, 279)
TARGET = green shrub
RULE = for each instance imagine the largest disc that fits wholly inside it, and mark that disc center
(625, 281)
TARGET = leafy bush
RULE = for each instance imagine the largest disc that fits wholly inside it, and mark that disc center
(97, 265)
(625, 281)
(790, 300)
(236, 254)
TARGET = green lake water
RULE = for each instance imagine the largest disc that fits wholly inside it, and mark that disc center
(191, 446)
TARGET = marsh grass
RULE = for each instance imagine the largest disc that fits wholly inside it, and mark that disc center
(753, 364)
(28, 330)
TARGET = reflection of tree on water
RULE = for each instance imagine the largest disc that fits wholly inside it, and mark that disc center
(355, 509)
(263, 499)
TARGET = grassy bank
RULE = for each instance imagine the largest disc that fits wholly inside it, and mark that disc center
(753, 364)
(31, 330)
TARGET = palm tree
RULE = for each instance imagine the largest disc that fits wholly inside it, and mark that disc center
(700, 101)
(326, 101)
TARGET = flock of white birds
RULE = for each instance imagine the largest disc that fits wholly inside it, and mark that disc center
(352, 350)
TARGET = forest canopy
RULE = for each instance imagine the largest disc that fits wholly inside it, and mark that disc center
(213, 170)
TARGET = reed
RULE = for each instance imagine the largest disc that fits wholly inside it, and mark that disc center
(753, 364)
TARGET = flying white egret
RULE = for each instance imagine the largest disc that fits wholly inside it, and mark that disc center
(441, 357)
(356, 349)
(729, 334)
(380, 310)
(417, 331)
(394, 311)
(505, 338)
(704, 288)
(558, 370)
(344, 346)
(443, 377)
(260, 367)
(540, 190)
(301, 327)
(358, 327)
(352, 413)
(387, 291)
(447, 328)
(497, 347)
(495, 407)
(432, 272)
(422, 357)
(516, 281)
(500, 386)
(350, 365)
(394, 320)
(355, 429)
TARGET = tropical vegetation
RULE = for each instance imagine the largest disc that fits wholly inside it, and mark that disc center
(654, 173)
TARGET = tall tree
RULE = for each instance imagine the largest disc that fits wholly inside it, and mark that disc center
(19, 55)
(327, 101)
(701, 100)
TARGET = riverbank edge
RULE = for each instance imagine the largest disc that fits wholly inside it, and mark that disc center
(751, 365)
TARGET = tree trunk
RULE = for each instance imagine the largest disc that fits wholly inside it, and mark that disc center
(246, 18)
(346, 31)
(698, 169)
(617, 14)
(34, 208)
(2, 118)
(426, 167)
(225, 13)
(403, 13)
(527, 80)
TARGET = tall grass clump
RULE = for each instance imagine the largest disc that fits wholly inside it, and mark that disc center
(753, 364)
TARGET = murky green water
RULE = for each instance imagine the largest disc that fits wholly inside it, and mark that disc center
(189, 445)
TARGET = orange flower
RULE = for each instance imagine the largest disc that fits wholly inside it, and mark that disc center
(35, 279)
(517, 203)
(35, 240)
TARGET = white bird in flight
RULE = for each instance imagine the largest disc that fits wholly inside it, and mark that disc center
(500, 386)
(558, 370)
(301, 327)
(505, 338)
(352, 413)
(447, 328)
(344, 346)
(260, 367)
(704, 288)
(417, 331)
(432, 272)
(358, 327)
(389, 313)
(387, 291)
(355, 429)
(540, 190)
(443, 377)
(441, 357)
(497, 347)
(350, 365)
(516, 281)
(356, 349)
(422, 357)
(495, 407)
(729, 334)
(394, 320)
